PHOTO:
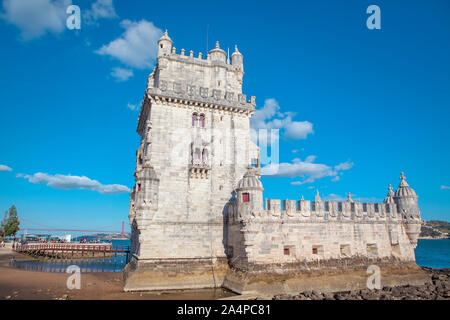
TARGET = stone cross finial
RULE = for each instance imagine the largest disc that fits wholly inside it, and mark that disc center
(403, 182)
(317, 196)
(217, 45)
(349, 197)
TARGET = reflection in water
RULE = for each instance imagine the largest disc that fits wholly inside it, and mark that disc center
(110, 264)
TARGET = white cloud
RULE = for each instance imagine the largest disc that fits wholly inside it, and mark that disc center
(4, 168)
(344, 166)
(307, 169)
(337, 178)
(334, 197)
(100, 9)
(264, 119)
(69, 182)
(121, 74)
(137, 46)
(35, 18)
(338, 198)
(133, 107)
(445, 187)
(368, 200)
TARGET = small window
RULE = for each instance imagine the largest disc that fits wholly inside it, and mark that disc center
(139, 187)
(286, 251)
(318, 250)
(345, 250)
(161, 46)
(372, 249)
(353, 206)
(246, 197)
(376, 207)
(364, 207)
(327, 206)
(230, 251)
(194, 120)
(197, 156)
(340, 206)
(202, 121)
(205, 156)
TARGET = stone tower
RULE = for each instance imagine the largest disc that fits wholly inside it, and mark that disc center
(194, 129)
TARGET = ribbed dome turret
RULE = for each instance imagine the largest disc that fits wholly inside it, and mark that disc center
(165, 36)
(250, 180)
(218, 54)
(404, 191)
(390, 196)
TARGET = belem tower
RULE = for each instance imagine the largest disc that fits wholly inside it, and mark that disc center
(197, 212)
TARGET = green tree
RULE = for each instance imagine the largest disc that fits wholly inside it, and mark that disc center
(3, 224)
(12, 223)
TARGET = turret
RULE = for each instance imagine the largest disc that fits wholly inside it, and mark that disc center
(250, 193)
(218, 54)
(390, 196)
(406, 200)
(164, 45)
(237, 60)
(146, 189)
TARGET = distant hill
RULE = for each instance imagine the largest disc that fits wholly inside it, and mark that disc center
(435, 229)
(101, 236)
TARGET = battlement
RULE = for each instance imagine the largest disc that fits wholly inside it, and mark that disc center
(217, 76)
(304, 210)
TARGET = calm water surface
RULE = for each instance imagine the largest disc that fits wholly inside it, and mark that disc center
(429, 253)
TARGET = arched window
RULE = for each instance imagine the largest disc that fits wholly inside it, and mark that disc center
(205, 156)
(194, 120)
(197, 156)
(202, 121)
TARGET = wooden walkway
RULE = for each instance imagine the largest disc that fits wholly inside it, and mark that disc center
(72, 250)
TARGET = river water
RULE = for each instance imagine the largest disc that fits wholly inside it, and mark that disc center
(429, 253)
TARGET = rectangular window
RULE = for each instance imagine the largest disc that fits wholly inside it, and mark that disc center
(327, 206)
(376, 207)
(318, 250)
(364, 207)
(139, 187)
(340, 206)
(345, 250)
(287, 252)
(245, 197)
(372, 249)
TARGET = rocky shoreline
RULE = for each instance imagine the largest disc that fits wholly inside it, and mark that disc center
(438, 289)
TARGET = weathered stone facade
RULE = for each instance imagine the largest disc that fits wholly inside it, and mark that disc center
(197, 212)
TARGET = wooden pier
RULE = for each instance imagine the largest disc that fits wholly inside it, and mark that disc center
(74, 250)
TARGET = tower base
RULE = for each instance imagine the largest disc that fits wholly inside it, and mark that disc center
(174, 274)
(326, 276)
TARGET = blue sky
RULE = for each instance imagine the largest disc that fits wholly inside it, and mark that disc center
(358, 104)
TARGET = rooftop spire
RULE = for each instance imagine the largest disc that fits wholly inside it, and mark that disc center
(349, 197)
(317, 199)
(403, 182)
(390, 196)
